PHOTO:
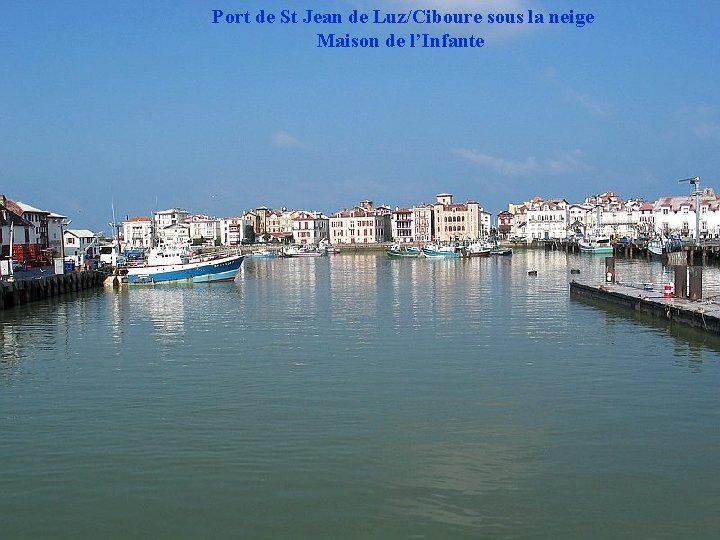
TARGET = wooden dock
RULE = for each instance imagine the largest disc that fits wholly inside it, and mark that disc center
(23, 291)
(702, 314)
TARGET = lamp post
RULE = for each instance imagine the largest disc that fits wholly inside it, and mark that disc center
(695, 181)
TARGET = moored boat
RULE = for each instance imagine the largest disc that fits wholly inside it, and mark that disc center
(437, 251)
(303, 251)
(597, 245)
(178, 263)
(655, 248)
(499, 250)
(263, 254)
(397, 251)
(476, 249)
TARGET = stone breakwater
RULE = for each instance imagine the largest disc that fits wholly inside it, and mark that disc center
(23, 291)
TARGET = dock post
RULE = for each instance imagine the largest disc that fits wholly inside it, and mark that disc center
(681, 272)
(695, 282)
(610, 269)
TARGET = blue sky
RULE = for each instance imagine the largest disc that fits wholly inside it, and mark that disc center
(147, 106)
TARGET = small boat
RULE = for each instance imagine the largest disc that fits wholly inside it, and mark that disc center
(437, 251)
(263, 254)
(178, 263)
(655, 248)
(397, 251)
(325, 247)
(499, 250)
(595, 245)
(476, 249)
(302, 251)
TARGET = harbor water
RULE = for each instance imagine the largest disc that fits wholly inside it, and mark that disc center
(360, 397)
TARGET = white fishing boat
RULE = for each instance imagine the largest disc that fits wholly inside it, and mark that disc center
(595, 245)
(263, 254)
(303, 251)
(477, 249)
(656, 247)
(178, 263)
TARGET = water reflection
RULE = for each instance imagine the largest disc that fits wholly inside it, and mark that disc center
(48, 328)
(437, 399)
(354, 287)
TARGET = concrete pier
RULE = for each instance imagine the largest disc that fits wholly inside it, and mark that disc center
(23, 291)
(704, 315)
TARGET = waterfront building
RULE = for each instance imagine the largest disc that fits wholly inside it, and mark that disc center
(518, 223)
(504, 224)
(286, 225)
(646, 219)
(623, 220)
(176, 234)
(459, 221)
(676, 216)
(579, 217)
(80, 244)
(234, 230)
(137, 232)
(547, 219)
(16, 229)
(260, 226)
(39, 220)
(362, 224)
(173, 216)
(401, 225)
(250, 217)
(204, 230)
(279, 225)
(422, 223)
(610, 216)
(310, 227)
(412, 224)
(11, 218)
(55, 225)
(273, 227)
(164, 220)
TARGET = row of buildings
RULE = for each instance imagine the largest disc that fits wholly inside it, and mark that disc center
(364, 223)
(41, 235)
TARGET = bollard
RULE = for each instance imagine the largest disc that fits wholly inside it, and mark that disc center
(695, 282)
(668, 290)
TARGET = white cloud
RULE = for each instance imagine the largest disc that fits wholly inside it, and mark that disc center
(284, 140)
(588, 102)
(568, 162)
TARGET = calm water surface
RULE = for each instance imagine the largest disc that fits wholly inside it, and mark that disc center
(360, 397)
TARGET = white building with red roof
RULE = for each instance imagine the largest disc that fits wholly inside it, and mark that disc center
(137, 232)
(310, 227)
(362, 224)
